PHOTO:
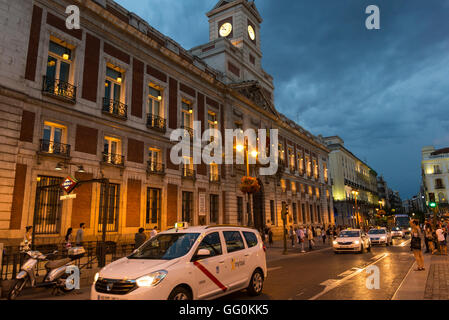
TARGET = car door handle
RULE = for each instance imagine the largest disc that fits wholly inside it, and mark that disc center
(221, 261)
(247, 255)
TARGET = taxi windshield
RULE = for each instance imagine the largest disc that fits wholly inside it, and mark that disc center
(166, 246)
(396, 229)
(350, 234)
(377, 231)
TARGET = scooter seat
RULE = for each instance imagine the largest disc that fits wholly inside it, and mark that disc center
(57, 263)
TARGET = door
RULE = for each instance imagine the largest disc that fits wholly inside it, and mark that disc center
(236, 259)
(210, 273)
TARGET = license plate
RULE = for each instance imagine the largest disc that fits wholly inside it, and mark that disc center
(100, 297)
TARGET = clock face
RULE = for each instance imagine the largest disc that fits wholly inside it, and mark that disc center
(251, 33)
(225, 29)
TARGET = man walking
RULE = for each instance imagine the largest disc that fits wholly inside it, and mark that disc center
(300, 233)
(310, 238)
(153, 233)
(441, 240)
(139, 238)
(80, 235)
(291, 234)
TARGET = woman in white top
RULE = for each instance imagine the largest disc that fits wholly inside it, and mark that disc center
(416, 244)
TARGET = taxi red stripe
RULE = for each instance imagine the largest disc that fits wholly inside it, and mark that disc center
(210, 276)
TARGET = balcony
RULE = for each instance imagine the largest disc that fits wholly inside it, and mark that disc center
(115, 109)
(156, 123)
(189, 130)
(59, 89)
(214, 178)
(54, 148)
(439, 186)
(155, 167)
(113, 159)
(188, 174)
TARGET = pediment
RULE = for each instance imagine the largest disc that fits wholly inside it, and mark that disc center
(254, 92)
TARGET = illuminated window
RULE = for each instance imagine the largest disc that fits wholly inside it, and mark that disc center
(293, 187)
(112, 151)
(113, 84)
(53, 138)
(187, 115)
(283, 185)
(291, 156)
(154, 100)
(59, 61)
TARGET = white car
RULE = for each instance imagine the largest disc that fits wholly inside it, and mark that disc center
(187, 263)
(352, 240)
(380, 236)
(396, 232)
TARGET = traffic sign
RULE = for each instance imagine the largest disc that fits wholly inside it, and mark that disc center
(69, 184)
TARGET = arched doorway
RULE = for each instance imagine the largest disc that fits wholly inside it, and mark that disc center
(259, 208)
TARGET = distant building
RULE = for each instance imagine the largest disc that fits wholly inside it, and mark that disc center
(352, 181)
(382, 189)
(435, 176)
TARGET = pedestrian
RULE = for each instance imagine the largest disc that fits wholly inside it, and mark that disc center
(301, 237)
(25, 245)
(416, 244)
(68, 239)
(323, 235)
(153, 233)
(291, 235)
(310, 238)
(442, 240)
(430, 239)
(139, 238)
(80, 235)
(270, 237)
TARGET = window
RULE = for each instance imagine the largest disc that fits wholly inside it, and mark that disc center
(57, 78)
(311, 214)
(212, 120)
(214, 176)
(154, 100)
(153, 206)
(239, 209)
(317, 192)
(53, 138)
(113, 84)
(283, 185)
(187, 116)
(315, 168)
(303, 211)
(295, 213)
(318, 211)
(272, 212)
(251, 239)
(214, 209)
(212, 243)
(112, 151)
(309, 166)
(187, 206)
(293, 187)
(300, 160)
(187, 169)
(113, 208)
(49, 207)
(234, 241)
(326, 174)
(291, 156)
(155, 160)
(281, 152)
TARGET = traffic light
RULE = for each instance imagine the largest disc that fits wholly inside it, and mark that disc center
(432, 202)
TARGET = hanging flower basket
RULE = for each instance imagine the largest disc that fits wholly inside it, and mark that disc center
(249, 185)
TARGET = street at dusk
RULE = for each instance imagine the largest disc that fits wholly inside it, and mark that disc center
(246, 153)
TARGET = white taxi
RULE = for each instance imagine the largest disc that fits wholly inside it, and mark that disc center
(396, 232)
(380, 236)
(352, 240)
(187, 263)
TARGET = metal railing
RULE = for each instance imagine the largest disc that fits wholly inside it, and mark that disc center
(156, 123)
(188, 173)
(214, 177)
(189, 130)
(155, 167)
(13, 259)
(55, 148)
(114, 159)
(59, 88)
(115, 108)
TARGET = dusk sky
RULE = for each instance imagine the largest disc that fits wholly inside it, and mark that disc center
(385, 92)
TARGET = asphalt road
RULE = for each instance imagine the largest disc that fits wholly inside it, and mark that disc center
(320, 275)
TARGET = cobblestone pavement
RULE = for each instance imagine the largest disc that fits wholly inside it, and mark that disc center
(437, 284)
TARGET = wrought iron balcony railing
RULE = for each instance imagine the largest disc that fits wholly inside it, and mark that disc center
(155, 167)
(214, 177)
(59, 88)
(55, 148)
(188, 173)
(156, 123)
(189, 130)
(114, 159)
(439, 186)
(115, 108)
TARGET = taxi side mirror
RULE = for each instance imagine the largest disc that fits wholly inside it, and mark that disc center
(203, 253)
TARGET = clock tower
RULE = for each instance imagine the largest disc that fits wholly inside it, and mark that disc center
(234, 44)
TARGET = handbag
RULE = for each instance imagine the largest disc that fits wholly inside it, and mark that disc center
(416, 243)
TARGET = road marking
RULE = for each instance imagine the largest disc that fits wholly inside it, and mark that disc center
(403, 244)
(403, 280)
(336, 283)
(274, 269)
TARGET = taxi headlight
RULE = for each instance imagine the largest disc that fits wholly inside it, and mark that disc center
(97, 275)
(383, 238)
(357, 242)
(335, 242)
(152, 279)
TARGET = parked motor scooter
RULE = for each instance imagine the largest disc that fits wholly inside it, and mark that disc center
(55, 277)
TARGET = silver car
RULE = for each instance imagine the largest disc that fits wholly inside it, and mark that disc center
(380, 236)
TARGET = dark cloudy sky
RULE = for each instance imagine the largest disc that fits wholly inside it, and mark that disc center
(385, 92)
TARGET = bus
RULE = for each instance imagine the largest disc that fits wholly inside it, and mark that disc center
(403, 221)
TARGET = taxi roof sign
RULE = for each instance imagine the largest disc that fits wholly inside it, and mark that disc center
(181, 225)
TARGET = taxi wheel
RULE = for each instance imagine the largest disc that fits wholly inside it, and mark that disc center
(256, 284)
(362, 250)
(180, 293)
(369, 249)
